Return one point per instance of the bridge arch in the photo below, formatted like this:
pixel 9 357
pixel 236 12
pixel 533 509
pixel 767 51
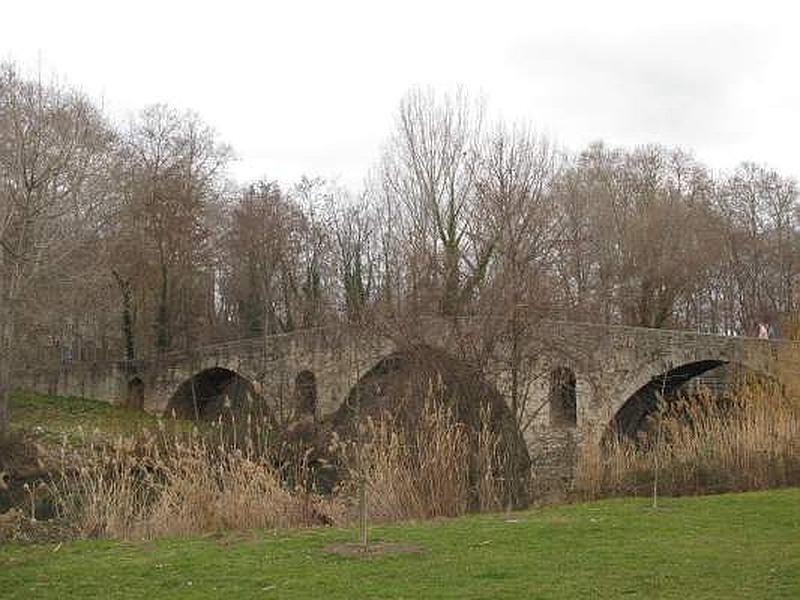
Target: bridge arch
pixel 400 383
pixel 638 397
pixel 402 377
pixel 212 392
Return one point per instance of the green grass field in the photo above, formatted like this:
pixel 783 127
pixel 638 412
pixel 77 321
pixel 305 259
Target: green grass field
pixel 49 418
pixel 727 546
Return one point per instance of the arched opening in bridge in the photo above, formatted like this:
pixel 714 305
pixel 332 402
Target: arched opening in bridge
pixel 562 398
pixel 306 392
pixel 715 377
pixel 135 397
pixel 400 386
pixel 213 393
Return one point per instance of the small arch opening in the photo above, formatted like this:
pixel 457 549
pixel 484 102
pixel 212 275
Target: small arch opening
pixel 135 397
pixel 562 398
pixel 306 393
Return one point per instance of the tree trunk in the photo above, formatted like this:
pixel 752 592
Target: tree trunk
pixel 5 389
pixel 452 282
pixel 127 316
pixel 162 318
pixel 6 325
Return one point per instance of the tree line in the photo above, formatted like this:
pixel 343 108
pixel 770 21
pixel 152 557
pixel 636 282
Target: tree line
pixel 123 240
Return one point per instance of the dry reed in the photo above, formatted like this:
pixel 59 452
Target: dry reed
pixel 749 441
pixel 158 484
pixel 438 469
pixel 242 475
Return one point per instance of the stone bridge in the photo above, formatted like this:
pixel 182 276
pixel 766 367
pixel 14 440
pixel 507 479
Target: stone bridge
pixel 560 375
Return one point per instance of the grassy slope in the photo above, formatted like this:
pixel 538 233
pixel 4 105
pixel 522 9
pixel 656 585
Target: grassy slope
pixel 50 417
pixel 728 546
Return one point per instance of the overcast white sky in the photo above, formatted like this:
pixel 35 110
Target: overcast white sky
pixel 313 87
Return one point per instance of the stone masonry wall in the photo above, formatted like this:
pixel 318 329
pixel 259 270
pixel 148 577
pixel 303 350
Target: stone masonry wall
pixel 609 364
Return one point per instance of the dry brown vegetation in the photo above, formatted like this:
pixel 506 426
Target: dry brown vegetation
pixel 400 400
pixel 242 474
pixel 702 444
pixel 172 482
pixel 428 471
pixel 161 483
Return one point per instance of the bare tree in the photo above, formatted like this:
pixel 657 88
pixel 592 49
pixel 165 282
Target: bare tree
pixel 429 168
pixel 261 256
pixel 355 255
pixel 53 146
pixel 516 211
pixel 643 234
pixel 760 208
pixel 314 196
pixel 173 179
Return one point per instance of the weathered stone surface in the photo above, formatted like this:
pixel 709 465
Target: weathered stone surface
pixel 610 364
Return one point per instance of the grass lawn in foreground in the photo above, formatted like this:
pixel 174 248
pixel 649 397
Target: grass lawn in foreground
pixel 726 546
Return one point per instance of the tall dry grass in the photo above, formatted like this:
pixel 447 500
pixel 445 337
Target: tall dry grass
pixel 172 481
pixel 702 444
pixel 158 483
pixel 428 460
pixel 438 469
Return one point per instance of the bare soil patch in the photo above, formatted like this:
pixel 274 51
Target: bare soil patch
pixel 373 549
pixel 231 538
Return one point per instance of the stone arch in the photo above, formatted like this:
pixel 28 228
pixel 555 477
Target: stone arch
pixel 387 386
pixel 135 393
pixel 212 392
pixel 399 384
pixel 562 398
pixel 638 398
